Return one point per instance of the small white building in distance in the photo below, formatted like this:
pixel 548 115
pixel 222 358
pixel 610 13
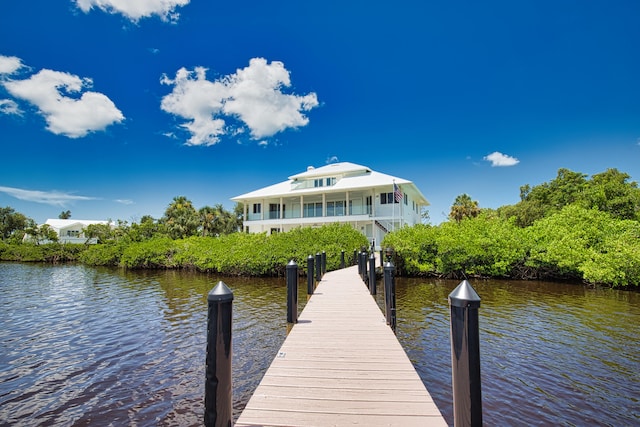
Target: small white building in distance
pixel 372 202
pixel 70 230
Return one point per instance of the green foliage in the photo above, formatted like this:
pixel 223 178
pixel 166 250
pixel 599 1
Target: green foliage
pixel 11 222
pixel 415 249
pixel 181 218
pixel 232 254
pixel 569 228
pixel 108 254
pixel 464 207
pixel 259 254
pixel 101 232
pixel 154 253
pixel 216 221
pixel 49 252
pixel 572 244
pixel 587 244
pixel 146 229
pixel 609 191
pixel 485 246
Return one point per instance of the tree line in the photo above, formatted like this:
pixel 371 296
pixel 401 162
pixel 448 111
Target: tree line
pixel 573 227
pixel 180 220
pixel 570 228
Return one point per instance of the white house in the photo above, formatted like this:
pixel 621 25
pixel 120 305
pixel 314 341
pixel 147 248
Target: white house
pixel 70 230
pixel 372 202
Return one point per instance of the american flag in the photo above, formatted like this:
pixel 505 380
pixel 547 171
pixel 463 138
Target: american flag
pixel 397 194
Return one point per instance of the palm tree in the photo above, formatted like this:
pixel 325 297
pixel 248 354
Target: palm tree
pixel 208 217
pixel 464 207
pixel 181 218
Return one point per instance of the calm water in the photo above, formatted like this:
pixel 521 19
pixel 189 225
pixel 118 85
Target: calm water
pixel 84 346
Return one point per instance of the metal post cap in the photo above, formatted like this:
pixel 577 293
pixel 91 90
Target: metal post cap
pixel 292 264
pixel 221 293
pixel 464 296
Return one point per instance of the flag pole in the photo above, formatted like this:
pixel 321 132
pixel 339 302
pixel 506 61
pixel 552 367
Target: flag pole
pixel 393 205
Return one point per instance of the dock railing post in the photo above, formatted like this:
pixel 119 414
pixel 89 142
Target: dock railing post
pixel 342 265
pixel 324 262
pixel 310 278
pixel 465 356
pixel 355 257
pixel 363 262
pixel 292 292
pixel 372 274
pixel 390 294
pixel 218 399
pixel 318 268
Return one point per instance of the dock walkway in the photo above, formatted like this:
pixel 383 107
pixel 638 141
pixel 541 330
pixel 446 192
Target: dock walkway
pixel 341 364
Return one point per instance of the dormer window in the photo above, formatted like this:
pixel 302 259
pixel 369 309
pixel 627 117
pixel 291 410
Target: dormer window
pixel 324 182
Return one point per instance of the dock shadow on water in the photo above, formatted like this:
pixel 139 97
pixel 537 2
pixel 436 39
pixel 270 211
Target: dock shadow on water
pixel 87 346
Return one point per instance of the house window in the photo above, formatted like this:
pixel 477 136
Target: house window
pixel 406 199
pixel 387 198
pixel 257 207
pixel 369 202
pixel 312 210
pixel 73 233
pixel 274 210
pixel 324 182
pixel 336 208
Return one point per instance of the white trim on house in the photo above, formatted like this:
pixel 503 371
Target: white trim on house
pixel 338 192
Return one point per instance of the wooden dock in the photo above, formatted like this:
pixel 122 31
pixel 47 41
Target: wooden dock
pixel 341 364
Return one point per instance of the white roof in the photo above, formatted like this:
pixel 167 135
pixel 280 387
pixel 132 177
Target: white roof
pixel 66 223
pixel 331 169
pixel 353 177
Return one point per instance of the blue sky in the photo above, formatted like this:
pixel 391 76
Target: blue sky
pixel 111 108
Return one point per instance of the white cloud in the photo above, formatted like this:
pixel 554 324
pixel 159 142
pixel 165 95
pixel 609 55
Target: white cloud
pixel 9 106
pixel 134 10
pixel 332 159
pixel 54 198
pixel 9 64
pixel 498 159
pixel 257 100
pixel 124 201
pixel 195 98
pixel 252 95
pixel 73 117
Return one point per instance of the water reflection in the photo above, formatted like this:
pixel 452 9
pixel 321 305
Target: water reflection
pixel 551 354
pixel 86 346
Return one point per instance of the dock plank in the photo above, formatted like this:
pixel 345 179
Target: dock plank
pixel 341 365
